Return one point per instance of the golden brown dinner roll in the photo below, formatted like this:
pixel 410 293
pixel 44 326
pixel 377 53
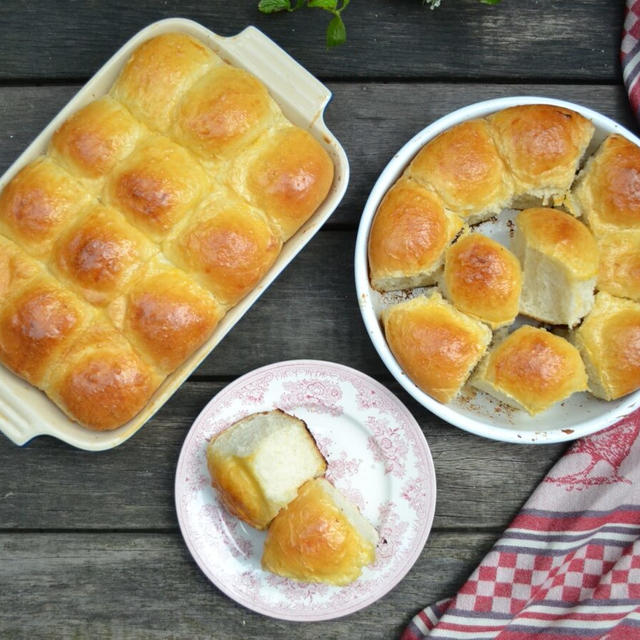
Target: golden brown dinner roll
pixel 319 537
pixel 619 266
pixel 559 259
pixel 436 345
pixel 98 256
pixel 408 236
pixel 99 380
pixel 156 186
pixel 287 174
pixel 94 140
pixel 165 315
pixel 158 73
pixel 227 244
pixel 36 323
pixel 228 108
pixel 541 145
pixel 607 192
pixel 609 342
pixel 463 166
pixel 483 279
pixel 259 462
pixel 531 369
pixel 38 203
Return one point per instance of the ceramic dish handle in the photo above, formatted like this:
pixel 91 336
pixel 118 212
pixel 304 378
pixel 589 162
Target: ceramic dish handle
pixel 16 420
pixel 300 92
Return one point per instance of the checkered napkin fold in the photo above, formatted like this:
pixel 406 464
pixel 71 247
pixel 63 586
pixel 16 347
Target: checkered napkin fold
pixel 568 566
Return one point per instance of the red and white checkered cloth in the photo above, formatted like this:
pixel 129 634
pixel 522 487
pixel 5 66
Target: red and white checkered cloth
pixel 630 53
pixel 568 566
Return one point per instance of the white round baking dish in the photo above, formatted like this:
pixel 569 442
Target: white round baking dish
pixel 579 415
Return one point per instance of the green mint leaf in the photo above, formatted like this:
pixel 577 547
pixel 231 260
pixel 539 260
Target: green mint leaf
pixel 489 1
pixel 271 6
pixel 328 5
pixel 336 32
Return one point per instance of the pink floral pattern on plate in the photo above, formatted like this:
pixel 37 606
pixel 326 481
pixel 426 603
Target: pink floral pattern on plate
pixel 377 456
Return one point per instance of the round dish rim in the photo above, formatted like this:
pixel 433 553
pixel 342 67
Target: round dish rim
pixel 363 288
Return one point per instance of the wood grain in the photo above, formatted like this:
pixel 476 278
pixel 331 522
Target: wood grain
pixel 463 39
pixel 131 585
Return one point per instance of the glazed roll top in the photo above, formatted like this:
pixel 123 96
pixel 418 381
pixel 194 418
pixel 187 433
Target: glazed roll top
pixel 607 193
pixel 531 369
pixel 542 146
pixel 94 140
pixel 483 279
pixel 100 380
pixel 157 208
pixel 319 537
pixel 409 234
pixel 463 166
pixel 38 204
pixel 436 345
pixel 609 341
pixel 228 246
pixel 226 110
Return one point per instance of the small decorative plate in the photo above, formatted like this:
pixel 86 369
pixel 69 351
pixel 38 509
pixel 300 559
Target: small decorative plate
pixel 376 454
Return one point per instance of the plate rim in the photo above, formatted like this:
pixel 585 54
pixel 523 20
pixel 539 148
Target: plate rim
pixel 429 478
pixel 363 288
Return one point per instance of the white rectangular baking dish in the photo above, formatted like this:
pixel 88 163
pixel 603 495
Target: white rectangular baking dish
pixel 25 411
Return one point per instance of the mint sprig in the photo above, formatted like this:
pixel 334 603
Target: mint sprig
pixel 336 31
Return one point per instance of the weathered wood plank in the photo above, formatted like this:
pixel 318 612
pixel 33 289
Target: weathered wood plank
pixel 463 39
pixel 49 485
pixel 105 586
pixel 371 120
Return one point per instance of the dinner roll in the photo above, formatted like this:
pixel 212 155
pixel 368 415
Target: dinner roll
pixel 436 345
pixel 463 166
pixel 225 110
pixel 541 145
pixel 38 203
pixel 228 245
pixel 483 279
pixel 559 259
pixel 94 140
pixel 99 380
pixel 156 186
pixel 408 236
pixel 531 369
pixel 319 537
pixel 607 192
pixel 619 266
pixel 158 74
pixel 287 174
pixel 36 322
pixel 100 254
pixel 609 342
pixel 165 315
pixel 259 462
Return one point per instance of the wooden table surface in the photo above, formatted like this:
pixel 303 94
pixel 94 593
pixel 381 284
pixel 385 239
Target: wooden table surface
pixel 89 543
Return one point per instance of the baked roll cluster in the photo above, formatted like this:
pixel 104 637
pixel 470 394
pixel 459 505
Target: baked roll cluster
pixel 155 209
pixel 573 263
pixel 268 471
